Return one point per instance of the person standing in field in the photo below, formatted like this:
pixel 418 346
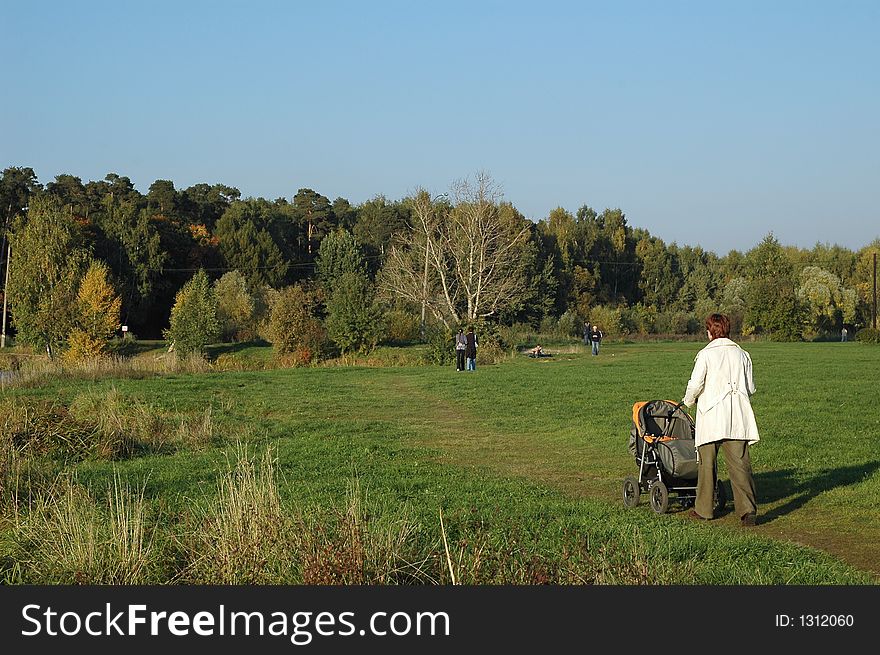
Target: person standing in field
pixel 721 384
pixel 587 328
pixel 460 345
pixel 843 334
pixel 470 351
pixel 595 338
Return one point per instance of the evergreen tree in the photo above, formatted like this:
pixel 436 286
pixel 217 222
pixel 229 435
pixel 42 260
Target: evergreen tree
pixel 340 253
pixel 772 304
pixel 354 320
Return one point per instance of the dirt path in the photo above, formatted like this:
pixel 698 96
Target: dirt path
pixel 466 441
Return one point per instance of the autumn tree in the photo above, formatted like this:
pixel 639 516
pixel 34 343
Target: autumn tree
pixel 293 327
pixel 98 308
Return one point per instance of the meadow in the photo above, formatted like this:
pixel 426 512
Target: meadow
pixel 403 474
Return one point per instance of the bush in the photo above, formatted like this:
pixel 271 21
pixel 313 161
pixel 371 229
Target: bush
pixel 608 319
pixel 868 335
pixel 401 326
pixel 441 345
pixel 675 322
pixel 236 308
pixel 492 347
pixel 570 325
pixel 292 328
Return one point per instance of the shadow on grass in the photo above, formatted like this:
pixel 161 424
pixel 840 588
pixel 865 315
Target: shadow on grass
pixel 790 483
pixel 132 347
pixel 232 348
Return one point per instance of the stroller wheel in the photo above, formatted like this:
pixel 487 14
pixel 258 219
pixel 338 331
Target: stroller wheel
pixel 659 495
pixel 631 492
pixel 720 497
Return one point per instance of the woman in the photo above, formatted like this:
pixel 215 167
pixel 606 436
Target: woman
pixel 460 345
pixel 722 381
pixel 470 352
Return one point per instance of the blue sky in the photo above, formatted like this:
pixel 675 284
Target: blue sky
pixel 708 123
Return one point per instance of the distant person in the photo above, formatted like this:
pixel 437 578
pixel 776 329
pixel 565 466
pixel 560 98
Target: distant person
pixel 460 345
pixel 587 328
pixel 470 351
pixel 537 351
pixel 595 338
pixel 843 334
pixel 721 385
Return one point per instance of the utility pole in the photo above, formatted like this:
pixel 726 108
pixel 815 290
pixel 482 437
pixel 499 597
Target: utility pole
pixel 5 295
pixel 874 312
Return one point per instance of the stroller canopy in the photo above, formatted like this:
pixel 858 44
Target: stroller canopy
pixel 664 426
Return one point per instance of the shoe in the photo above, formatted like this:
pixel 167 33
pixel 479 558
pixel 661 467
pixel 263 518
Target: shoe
pixel 748 520
pixel 699 517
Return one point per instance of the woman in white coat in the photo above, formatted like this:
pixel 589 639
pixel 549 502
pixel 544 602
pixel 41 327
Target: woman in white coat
pixel 721 384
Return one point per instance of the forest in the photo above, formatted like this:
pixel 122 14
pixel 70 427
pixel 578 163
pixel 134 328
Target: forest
pixel 306 273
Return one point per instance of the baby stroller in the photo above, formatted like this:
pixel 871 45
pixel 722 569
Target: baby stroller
pixel 662 442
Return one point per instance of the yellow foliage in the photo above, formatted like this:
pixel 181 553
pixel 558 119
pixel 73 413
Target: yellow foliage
pixel 99 306
pixel 83 347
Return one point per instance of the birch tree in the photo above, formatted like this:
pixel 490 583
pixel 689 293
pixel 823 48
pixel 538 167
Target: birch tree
pixel 464 262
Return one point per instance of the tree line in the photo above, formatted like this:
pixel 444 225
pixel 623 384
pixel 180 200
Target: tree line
pixel 85 258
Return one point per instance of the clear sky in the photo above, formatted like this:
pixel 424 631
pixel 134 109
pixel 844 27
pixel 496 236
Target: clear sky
pixel 709 123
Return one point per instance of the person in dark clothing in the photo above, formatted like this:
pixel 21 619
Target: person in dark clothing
pixel 460 346
pixel 595 338
pixel 587 330
pixel 470 351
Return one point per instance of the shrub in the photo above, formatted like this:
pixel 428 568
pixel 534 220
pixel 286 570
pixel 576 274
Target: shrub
pixel 82 347
pixel 441 345
pixel 674 322
pixel 868 335
pixel 608 319
pixel 236 307
pixel 401 326
pixel 292 327
pixel 569 325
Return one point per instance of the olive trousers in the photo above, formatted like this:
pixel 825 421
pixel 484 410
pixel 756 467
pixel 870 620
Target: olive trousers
pixel 739 466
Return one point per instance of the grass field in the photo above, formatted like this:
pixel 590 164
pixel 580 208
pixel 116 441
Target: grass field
pixel 509 474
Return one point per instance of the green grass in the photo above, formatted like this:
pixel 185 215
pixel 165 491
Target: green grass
pixel 525 460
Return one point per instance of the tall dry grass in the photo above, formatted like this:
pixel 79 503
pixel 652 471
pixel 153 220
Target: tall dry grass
pixel 68 537
pixel 243 537
pixel 360 543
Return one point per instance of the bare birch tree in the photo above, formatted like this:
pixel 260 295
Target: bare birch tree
pixel 464 265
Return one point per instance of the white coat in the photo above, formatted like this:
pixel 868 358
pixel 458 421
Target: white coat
pixel 722 381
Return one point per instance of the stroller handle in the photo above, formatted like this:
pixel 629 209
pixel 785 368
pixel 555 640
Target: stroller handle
pixel 670 416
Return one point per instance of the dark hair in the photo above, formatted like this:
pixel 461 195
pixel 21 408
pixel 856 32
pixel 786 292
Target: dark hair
pixel 718 326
